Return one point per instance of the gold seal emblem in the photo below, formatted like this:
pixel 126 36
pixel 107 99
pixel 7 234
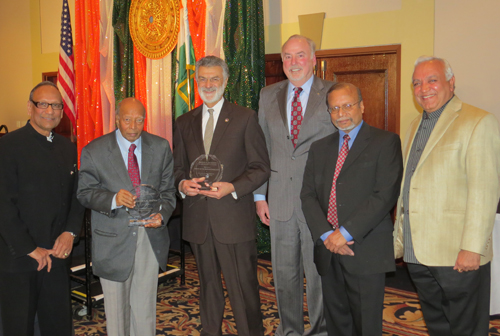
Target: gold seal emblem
pixel 154 26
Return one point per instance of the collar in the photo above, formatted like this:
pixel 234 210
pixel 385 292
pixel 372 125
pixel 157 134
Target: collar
pixel 306 88
pixel 217 107
pixel 352 133
pixel 39 136
pixel 436 114
pixel 125 144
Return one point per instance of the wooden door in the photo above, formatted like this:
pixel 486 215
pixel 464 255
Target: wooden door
pixel 375 70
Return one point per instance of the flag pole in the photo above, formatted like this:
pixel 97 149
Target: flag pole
pixel 189 88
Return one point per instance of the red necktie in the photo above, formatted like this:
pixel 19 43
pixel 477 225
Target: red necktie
pixel 296 115
pixel 133 166
pixel 332 204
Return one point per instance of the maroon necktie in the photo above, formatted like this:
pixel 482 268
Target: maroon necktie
pixel 296 115
pixel 333 217
pixel 133 167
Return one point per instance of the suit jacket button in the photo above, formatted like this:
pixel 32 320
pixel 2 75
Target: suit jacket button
pixel 293 157
pixel 133 234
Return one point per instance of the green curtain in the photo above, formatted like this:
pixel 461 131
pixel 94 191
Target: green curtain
pixel 244 53
pixel 123 52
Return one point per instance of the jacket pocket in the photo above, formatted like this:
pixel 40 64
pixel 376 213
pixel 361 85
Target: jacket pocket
pixel 105 234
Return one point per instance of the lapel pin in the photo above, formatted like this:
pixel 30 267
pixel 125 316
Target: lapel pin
pixel 227 120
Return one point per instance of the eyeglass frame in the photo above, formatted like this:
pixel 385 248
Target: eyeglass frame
pixel 48 104
pixel 346 107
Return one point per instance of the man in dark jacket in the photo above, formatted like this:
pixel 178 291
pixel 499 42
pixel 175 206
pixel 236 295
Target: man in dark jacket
pixel 40 219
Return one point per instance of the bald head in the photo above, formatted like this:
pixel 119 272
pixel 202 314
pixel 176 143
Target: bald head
pixel 130 115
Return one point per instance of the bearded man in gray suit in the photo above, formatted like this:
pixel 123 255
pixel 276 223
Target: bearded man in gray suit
pixel 293 115
pixel 126 258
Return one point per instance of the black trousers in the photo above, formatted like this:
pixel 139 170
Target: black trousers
pixel 453 303
pixel 238 263
pixel 353 303
pixel 25 294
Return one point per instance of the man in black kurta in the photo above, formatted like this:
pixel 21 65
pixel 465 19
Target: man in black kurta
pixel 39 218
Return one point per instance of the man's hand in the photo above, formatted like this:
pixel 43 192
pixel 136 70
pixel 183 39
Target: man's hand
pixel 263 211
pixel 467 261
pixel 336 243
pixel 63 245
pixel 42 256
pixel 191 187
pixel 125 198
pixel 154 221
pixel 223 189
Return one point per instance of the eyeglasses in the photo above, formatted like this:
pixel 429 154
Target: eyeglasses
pixel 44 105
pixel 345 107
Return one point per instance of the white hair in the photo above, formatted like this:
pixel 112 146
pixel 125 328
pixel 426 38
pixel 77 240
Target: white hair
pixel 312 45
pixel 448 71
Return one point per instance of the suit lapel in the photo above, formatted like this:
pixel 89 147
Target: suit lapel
pixel 410 137
pixel 445 120
pixel 359 145
pixel 312 111
pixel 116 160
pixel 196 128
pixel 314 101
pixel 222 123
pixel 330 164
pixel 147 157
pixel 281 98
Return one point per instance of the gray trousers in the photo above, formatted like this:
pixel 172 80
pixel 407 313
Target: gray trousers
pixel 130 306
pixel 292 257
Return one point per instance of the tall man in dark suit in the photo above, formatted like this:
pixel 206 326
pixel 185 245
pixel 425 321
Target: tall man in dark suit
pixel 292 116
pixel 126 258
pixel 40 218
pixel 220 223
pixel 351 183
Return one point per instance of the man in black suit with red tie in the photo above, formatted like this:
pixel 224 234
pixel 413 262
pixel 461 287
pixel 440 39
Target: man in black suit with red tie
pixel 351 183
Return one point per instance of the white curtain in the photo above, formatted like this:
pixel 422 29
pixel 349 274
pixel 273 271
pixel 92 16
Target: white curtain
pixel 159 110
pixel 214 25
pixel 106 64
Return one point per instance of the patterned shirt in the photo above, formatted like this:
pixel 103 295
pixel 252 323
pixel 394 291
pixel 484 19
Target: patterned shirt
pixel 424 131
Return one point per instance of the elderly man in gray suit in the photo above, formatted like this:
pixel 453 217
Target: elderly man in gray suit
pixel 293 114
pixel 126 258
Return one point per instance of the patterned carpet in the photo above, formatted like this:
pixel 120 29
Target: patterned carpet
pixel 178 313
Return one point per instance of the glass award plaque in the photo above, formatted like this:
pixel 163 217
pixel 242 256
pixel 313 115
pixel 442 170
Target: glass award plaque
pixel 147 204
pixel 209 167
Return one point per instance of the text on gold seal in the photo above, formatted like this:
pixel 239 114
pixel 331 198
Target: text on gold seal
pixel 154 26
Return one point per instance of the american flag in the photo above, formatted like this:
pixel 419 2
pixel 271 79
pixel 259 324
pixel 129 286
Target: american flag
pixel 66 75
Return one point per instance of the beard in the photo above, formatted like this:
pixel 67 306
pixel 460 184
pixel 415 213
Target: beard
pixel 347 128
pixel 219 91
